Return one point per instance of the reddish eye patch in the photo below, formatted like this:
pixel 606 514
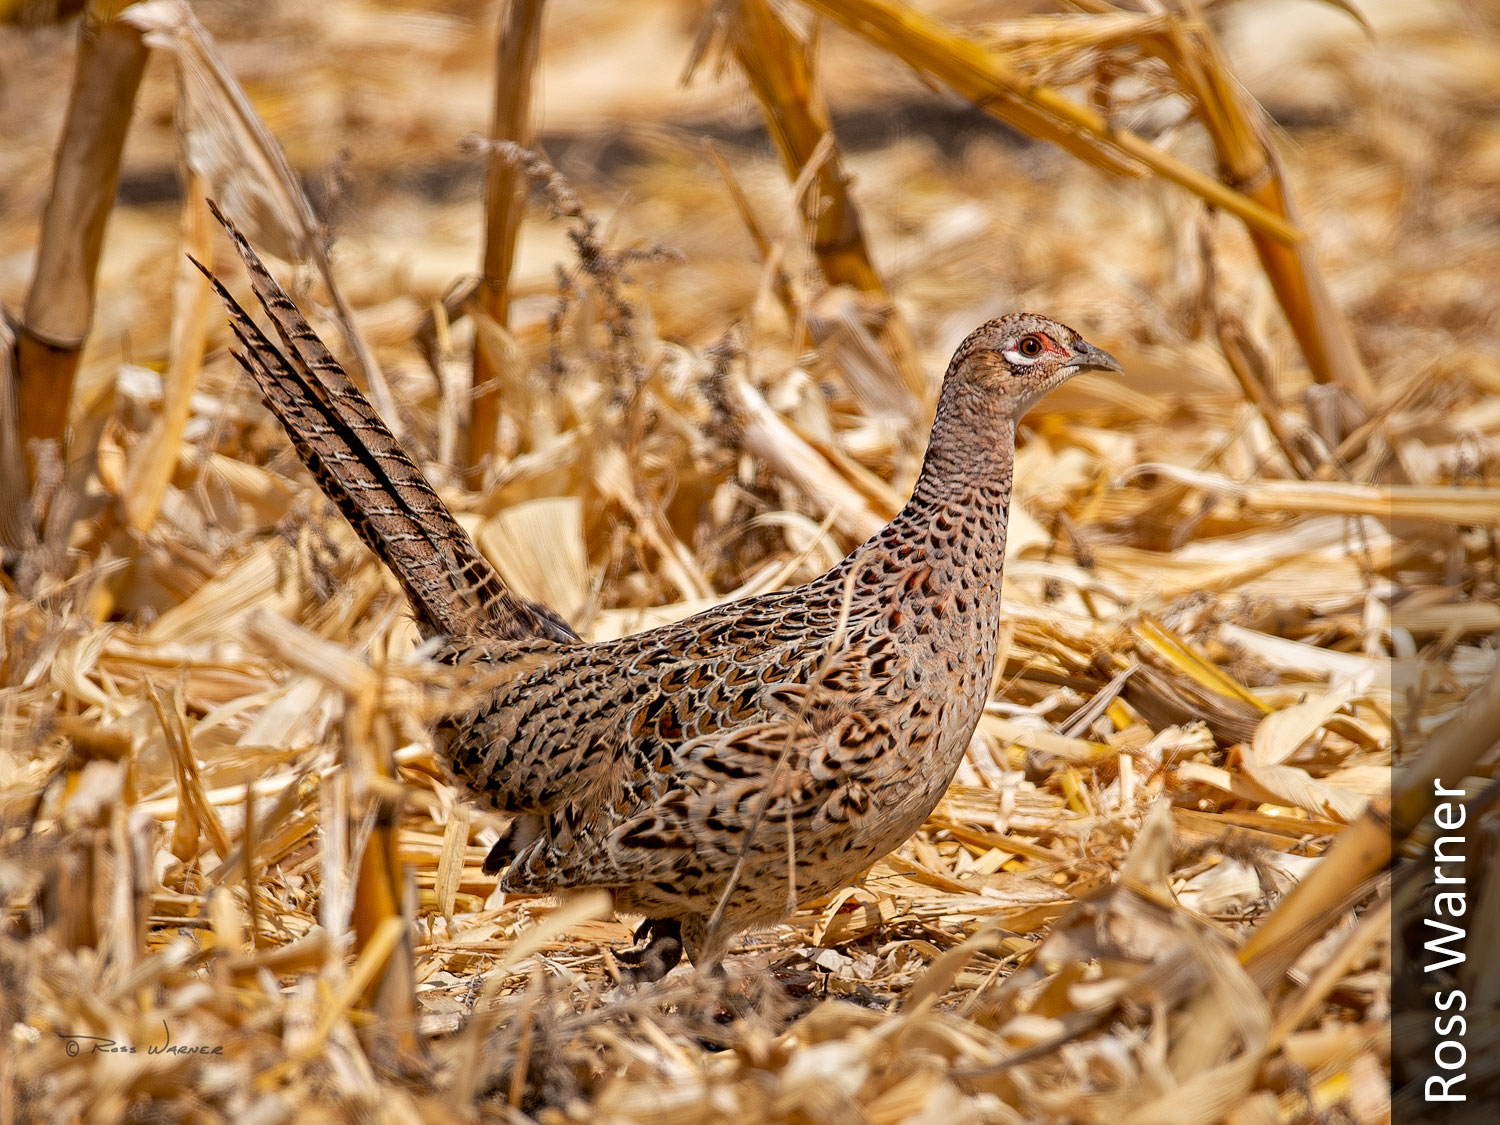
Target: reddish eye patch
pixel 1034 345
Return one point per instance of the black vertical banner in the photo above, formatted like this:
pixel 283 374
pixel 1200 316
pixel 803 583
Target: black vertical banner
pixel 1445 1025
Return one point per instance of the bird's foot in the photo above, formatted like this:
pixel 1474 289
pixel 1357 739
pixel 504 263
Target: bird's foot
pixel 657 957
pixel 514 839
pixel 499 857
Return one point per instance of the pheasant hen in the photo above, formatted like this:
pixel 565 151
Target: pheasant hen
pixel 713 773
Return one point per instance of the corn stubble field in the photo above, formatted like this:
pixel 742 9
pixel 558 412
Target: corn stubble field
pixel 1242 583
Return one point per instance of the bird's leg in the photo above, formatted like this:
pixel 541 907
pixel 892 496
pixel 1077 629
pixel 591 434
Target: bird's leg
pixel 660 954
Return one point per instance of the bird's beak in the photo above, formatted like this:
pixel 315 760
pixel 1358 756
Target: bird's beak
pixel 1091 358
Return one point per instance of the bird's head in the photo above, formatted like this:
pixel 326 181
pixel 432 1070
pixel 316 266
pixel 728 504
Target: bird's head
pixel 1015 360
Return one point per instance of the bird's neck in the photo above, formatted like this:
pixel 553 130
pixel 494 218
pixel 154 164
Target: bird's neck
pixel 966 480
pixel 954 524
pixel 970 457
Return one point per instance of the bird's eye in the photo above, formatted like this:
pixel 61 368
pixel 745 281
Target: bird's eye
pixel 1030 346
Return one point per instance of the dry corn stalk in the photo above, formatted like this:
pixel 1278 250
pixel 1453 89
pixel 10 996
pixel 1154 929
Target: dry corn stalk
pixel 16 530
pixel 227 147
pixel 60 302
pixel 779 280
pixel 504 205
pixel 1001 81
pixel 192 304
pixel 779 67
pixel 1002 89
pixel 1248 162
pixel 380 910
pixel 1365 847
pixel 1466 506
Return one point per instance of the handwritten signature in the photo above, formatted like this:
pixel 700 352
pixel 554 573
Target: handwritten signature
pixel 74 1045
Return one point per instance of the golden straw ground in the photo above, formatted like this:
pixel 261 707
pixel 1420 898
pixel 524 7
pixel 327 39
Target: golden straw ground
pixel 225 645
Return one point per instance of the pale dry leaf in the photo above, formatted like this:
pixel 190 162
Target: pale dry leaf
pixel 1282 733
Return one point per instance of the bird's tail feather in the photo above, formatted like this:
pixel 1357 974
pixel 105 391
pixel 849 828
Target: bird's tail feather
pixel 363 469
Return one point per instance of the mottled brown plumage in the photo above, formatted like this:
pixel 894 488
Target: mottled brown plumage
pixel 714 772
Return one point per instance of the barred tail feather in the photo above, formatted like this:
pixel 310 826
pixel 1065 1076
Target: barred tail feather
pixel 361 467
